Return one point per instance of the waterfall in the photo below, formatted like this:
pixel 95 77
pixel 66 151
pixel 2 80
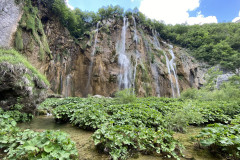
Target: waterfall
pixel 92 56
pixel 68 85
pixel 124 77
pixel 156 78
pixel 169 73
pixel 156 41
pixel 135 69
pixel 135 38
pixel 172 69
pixel 171 66
pixel 154 66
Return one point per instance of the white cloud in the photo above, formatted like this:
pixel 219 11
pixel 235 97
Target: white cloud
pixel 237 18
pixel 200 19
pixel 69 6
pixel 174 11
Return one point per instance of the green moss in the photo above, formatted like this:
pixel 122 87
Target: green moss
pixel 18 40
pixel 31 46
pixel 41 53
pixel 31 22
pixel 39 26
pixel 14 57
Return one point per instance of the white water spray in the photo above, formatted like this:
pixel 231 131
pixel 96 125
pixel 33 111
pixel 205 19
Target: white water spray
pixel 154 66
pixel 68 85
pixel 172 72
pixel 135 38
pixel 124 77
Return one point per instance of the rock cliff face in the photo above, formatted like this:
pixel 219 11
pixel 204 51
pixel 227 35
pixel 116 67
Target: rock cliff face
pixel 19 86
pixel 117 55
pixel 10 14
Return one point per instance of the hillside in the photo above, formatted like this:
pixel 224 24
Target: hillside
pixel 120 85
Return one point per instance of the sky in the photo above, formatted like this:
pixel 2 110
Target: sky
pixel 172 11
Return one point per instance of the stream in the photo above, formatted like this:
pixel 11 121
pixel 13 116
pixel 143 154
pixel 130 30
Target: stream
pixel 87 150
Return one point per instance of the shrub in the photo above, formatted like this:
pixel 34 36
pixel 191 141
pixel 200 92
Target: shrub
pixel 28 144
pixel 121 141
pixel 180 118
pixel 222 138
pixel 125 96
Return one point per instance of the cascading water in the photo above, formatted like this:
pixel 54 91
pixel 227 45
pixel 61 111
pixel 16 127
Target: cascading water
pixel 135 38
pixel 154 66
pixel 68 85
pixel 172 69
pixel 156 77
pixel 124 78
pixel 92 56
pixel 170 75
pixel 156 41
pixel 171 66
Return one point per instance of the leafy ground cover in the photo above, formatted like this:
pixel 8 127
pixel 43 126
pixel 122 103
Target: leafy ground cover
pixel 222 139
pixel 27 144
pixel 145 125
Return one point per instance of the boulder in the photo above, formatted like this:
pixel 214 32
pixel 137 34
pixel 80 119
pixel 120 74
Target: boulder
pixel 19 86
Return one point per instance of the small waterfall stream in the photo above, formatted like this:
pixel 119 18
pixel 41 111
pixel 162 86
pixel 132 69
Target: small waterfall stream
pixel 171 66
pixel 124 78
pixel 135 38
pixel 92 57
pixel 154 66
pixel 156 78
pixel 172 72
pixel 68 85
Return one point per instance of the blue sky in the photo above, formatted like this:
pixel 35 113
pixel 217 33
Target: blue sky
pixel 173 11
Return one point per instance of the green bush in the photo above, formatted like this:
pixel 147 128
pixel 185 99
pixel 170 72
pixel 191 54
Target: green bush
pixel 125 96
pixel 180 118
pixel 156 116
pixel 221 138
pixel 28 144
pixel 44 145
pixel 121 141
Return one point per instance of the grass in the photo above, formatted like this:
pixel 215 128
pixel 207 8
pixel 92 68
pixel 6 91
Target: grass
pixel 18 40
pixel 14 57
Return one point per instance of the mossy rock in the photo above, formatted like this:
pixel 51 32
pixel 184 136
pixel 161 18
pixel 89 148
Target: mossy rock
pixel 20 82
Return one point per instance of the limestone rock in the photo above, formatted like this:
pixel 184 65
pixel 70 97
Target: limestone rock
pixel 69 71
pixel 223 78
pixel 10 14
pixel 18 85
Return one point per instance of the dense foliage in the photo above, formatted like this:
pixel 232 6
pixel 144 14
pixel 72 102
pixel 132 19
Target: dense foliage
pixel 212 43
pixel 120 127
pixel 28 144
pixel 222 138
pixel 31 21
pixel 227 91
